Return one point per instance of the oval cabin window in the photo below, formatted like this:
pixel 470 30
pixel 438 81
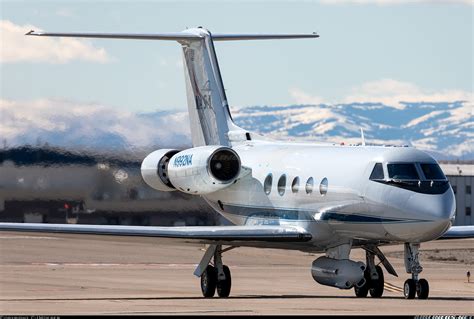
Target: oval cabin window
pixel 282 185
pixel 309 185
pixel 295 185
pixel 267 184
pixel 323 187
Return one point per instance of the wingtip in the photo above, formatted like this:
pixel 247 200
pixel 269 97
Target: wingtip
pixel 30 32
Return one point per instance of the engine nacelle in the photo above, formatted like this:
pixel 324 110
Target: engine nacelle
pixel 154 170
pixel 343 274
pixel 204 170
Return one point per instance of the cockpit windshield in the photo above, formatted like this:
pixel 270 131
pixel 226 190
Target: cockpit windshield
pixel 432 171
pixel 425 178
pixel 377 172
pixel 405 171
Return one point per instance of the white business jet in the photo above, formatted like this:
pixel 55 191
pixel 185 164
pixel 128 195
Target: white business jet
pixel 307 197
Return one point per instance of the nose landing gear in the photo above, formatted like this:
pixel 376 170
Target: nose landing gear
pixel 414 286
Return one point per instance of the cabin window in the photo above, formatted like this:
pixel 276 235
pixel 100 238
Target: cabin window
pixel 432 171
pixel 267 184
pixel 309 185
pixel 282 185
pixel 406 171
pixel 377 172
pixel 295 185
pixel 323 187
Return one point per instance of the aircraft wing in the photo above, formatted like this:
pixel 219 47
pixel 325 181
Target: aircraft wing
pixel 457 232
pixel 224 235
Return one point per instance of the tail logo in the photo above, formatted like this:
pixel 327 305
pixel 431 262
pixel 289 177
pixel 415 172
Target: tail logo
pixel 203 101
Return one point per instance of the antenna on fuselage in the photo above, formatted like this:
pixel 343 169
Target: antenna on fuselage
pixel 362 136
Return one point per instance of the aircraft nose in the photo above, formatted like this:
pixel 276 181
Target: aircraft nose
pixel 438 210
pixel 432 206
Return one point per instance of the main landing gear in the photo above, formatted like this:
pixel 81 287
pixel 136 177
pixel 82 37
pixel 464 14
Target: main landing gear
pixel 414 286
pixel 374 279
pixel 214 277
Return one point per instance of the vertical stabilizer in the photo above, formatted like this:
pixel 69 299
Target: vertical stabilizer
pixel 208 109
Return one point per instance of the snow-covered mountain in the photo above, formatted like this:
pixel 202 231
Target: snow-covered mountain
pixel 444 129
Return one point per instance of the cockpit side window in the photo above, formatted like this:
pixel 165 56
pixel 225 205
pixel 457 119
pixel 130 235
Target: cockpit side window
pixel 405 171
pixel 432 171
pixel 377 172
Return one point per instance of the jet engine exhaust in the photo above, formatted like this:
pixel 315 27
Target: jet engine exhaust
pixel 224 165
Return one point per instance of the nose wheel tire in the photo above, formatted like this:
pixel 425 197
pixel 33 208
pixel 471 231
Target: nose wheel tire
pixel 422 289
pixel 418 288
pixel 223 286
pixel 209 282
pixel 409 289
pixel 376 286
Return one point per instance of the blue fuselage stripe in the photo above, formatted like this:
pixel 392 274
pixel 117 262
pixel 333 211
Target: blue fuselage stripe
pixel 306 215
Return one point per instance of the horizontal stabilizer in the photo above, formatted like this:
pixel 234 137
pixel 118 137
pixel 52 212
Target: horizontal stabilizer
pixel 204 234
pixel 175 36
pixel 233 37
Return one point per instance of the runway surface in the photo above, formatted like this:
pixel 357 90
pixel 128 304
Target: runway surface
pixel 71 274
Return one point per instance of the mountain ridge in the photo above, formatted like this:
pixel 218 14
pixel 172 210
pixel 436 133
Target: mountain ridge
pixel 444 129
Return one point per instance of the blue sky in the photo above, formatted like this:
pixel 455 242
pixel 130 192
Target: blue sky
pixel 369 50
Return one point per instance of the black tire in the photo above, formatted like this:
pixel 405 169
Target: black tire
pixel 363 291
pixel 223 286
pixel 209 282
pixel 422 289
pixel 409 289
pixel 377 286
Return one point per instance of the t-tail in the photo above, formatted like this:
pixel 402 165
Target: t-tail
pixel 209 114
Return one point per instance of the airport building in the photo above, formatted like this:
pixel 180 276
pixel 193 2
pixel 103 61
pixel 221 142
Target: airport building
pixel 461 177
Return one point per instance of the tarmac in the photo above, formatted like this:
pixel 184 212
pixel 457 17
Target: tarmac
pixel 83 275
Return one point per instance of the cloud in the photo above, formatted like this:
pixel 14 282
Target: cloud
pixel 16 47
pixel 302 97
pixel 389 92
pixel 393 93
pixel 395 2
pixel 71 123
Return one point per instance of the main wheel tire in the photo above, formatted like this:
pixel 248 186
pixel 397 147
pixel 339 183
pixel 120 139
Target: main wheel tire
pixel 223 286
pixel 377 286
pixel 409 289
pixel 363 291
pixel 422 289
pixel 209 282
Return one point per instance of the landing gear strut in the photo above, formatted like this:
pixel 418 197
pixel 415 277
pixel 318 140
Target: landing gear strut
pixel 374 279
pixel 414 286
pixel 214 277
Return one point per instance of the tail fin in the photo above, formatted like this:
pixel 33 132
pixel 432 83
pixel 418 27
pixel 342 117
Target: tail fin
pixel 209 114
